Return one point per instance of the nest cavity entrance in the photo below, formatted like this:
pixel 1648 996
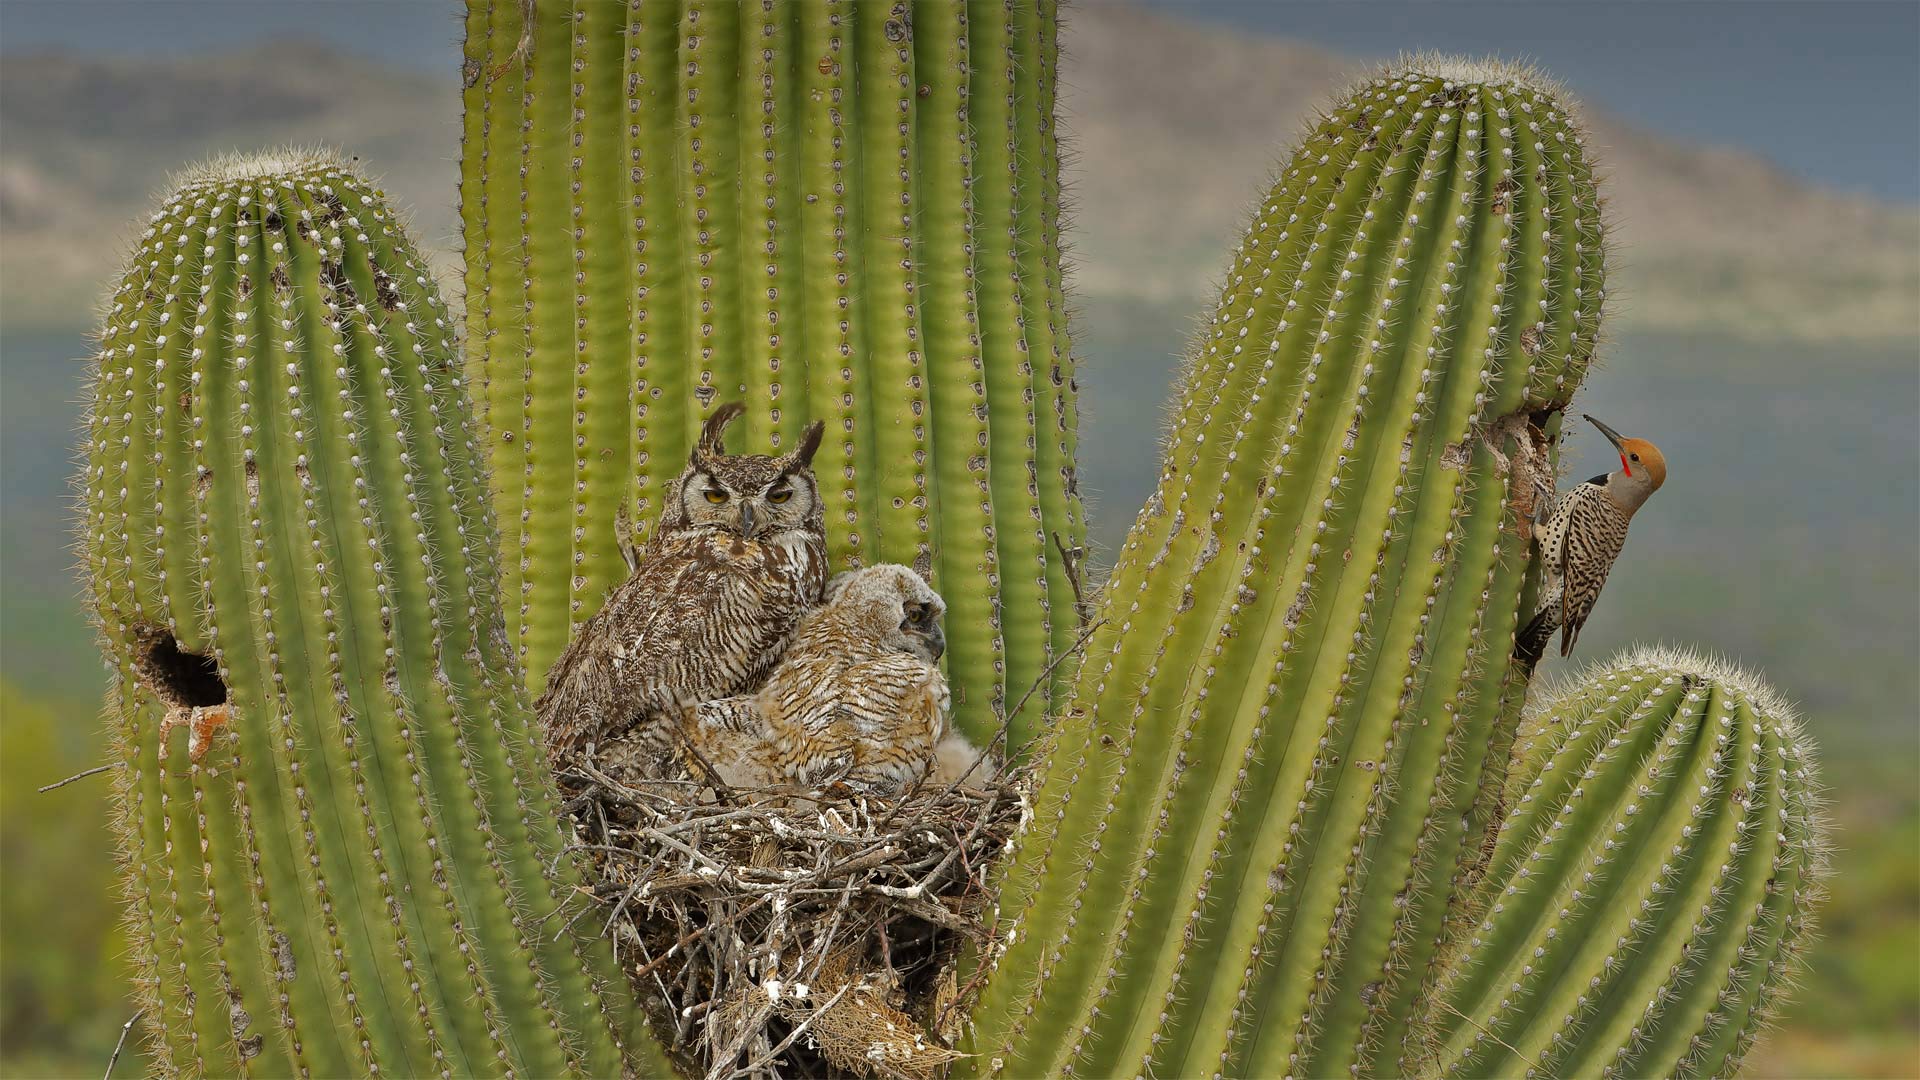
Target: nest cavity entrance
pixel 180 678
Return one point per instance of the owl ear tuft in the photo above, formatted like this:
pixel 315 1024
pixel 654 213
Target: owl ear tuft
pixel 710 443
pixel 809 444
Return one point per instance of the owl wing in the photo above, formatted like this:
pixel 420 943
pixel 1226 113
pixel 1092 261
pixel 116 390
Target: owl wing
pixel 899 705
pixel 731 741
pixel 580 693
pixel 658 644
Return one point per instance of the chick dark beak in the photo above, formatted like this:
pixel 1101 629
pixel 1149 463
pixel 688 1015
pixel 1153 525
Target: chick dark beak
pixel 1613 436
pixel 936 641
pixel 746 519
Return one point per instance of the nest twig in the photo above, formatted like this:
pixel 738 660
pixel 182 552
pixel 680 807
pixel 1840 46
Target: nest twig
pixel 795 934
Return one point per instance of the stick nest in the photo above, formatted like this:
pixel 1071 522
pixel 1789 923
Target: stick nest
pixel 779 933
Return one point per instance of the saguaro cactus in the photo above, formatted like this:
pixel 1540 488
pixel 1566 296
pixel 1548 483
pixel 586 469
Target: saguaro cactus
pixel 342 854
pixel 833 210
pixel 1642 902
pixel 1271 769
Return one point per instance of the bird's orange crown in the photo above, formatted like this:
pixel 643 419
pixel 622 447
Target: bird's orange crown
pixel 1638 454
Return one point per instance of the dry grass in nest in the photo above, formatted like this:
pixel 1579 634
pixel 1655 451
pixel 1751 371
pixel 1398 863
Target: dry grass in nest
pixel 795 934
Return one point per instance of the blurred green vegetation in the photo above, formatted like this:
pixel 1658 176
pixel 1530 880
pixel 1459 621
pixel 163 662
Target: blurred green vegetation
pixel 1784 537
pixel 63 983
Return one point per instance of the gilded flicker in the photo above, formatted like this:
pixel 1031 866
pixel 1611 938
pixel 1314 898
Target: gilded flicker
pixel 1582 538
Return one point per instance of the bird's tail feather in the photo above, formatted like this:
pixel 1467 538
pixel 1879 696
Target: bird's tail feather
pixel 1532 641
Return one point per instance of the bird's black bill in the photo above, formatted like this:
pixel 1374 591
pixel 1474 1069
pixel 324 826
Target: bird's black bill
pixel 1613 436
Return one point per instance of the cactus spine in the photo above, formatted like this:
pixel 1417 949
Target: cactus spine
pixel 828 209
pixel 345 863
pixel 1643 899
pixel 1251 815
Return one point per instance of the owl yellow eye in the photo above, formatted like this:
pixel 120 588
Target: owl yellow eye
pixel 780 496
pixel 714 496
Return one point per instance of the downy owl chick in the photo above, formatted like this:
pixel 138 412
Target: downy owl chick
pixel 858 696
pixel 737 558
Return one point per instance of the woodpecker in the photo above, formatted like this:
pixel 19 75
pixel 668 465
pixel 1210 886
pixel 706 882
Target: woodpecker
pixel 1582 538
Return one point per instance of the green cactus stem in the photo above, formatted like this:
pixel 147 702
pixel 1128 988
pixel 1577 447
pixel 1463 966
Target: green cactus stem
pixel 342 852
pixel 1265 785
pixel 826 209
pixel 1645 895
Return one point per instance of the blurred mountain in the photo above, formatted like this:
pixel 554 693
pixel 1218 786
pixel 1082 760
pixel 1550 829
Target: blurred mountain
pixel 1178 126
pixel 1173 128
pixel 88 141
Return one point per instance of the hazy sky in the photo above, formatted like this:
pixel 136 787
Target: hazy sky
pixel 1828 89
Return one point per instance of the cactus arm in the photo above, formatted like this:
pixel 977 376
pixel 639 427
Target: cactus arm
pixel 1650 892
pixel 1690 837
pixel 1479 729
pixel 1256 755
pixel 957 405
pixel 335 872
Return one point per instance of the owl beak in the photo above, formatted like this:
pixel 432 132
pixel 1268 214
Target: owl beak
pixel 936 641
pixel 746 519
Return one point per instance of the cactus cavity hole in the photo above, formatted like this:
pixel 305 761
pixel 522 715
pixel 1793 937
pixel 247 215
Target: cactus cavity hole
pixel 179 677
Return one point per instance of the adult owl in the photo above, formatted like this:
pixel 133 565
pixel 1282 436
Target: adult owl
pixel 738 556
pixel 858 697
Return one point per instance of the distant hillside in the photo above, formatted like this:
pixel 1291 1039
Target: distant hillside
pixel 87 142
pixel 1177 126
pixel 1173 129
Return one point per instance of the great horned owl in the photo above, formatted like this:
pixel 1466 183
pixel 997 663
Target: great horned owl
pixel 858 696
pixel 738 556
